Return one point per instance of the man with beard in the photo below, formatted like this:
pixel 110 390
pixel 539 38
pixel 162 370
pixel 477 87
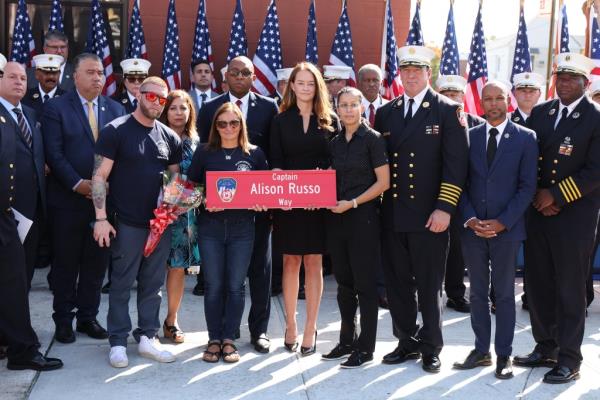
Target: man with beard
pixel 47 72
pixel 132 154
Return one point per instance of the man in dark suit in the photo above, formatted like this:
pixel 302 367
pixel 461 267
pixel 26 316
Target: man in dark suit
pixel 426 137
pixel 15 320
pixel 70 127
pixel 202 76
pixel 500 186
pixel 47 72
pixel 259 112
pixel 562 221
pixel 56 42
pixel 30 182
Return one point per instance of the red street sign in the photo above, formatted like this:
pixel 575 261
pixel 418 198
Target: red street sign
pixel 273 189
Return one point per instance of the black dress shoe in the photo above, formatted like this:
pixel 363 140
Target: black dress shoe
pixel 460 304
pixel 357 359
pixel 106 288
pixel 307 351
pixel 262 344
pixel 400 355
pixel 37 363
pixel 431 363
pixel 64 333
pixel 474 359
pixel 503 368
pixel 2 352
pixel 534 359
pixel 198 289
pixel 561 374
pixel 339 351
pixel 92 329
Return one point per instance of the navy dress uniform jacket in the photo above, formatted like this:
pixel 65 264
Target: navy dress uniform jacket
pixel 34 99
pixel 123 99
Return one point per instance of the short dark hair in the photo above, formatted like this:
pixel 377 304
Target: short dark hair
pixel 85 56
pixel 55 35
pixel 198 62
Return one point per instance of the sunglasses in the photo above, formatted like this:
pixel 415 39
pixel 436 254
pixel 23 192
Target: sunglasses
pixel 134 79
pixel 245 73
pixel 234 123
pixel 152 97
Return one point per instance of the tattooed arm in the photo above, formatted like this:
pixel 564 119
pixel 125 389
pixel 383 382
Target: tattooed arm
pixel 102 228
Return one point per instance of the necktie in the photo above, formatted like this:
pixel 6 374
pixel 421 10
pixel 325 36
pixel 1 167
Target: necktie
pixel 371 115
pixel 134 103
pixel 239 103
pixel 492 146
pixel 563 117
pixel 92 119
pixel 409 113
pixel 23 127
pixel 46 97
pixel 203 96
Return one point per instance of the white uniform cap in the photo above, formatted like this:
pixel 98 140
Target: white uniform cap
pixel 574 63
pixel 451 82
pixel 419 56
pixel 48 62
pixel 2 62
pixel 595 87
pixel 135 66
pixel 283 74
pixel 223 70
pixel 528 80
pixel 332 72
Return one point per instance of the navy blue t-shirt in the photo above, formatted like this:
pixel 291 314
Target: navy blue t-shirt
pixel 216 160
pixel 140 154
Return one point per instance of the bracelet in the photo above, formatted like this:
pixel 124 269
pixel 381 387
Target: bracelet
pixel 101 219
pixel 354 203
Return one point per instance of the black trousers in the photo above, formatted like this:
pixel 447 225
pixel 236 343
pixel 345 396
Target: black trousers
pixel 557 269
pixel 259 277
pixel 15 320
pixel 415 264
pixel 353 241
pixel 78 266
pixel 455 266
pixel 32 243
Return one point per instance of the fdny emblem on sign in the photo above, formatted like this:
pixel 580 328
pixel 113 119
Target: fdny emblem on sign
pixel 226 188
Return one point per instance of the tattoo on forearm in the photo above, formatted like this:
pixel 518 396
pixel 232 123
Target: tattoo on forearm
pixel 98 185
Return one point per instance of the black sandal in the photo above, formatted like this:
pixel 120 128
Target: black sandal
pixel 173 332
pixel 212 356
pixel 230 356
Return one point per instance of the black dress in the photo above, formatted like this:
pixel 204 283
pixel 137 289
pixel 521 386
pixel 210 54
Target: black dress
pixel 299 231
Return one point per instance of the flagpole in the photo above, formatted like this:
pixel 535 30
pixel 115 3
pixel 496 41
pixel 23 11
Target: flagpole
pixel 550 44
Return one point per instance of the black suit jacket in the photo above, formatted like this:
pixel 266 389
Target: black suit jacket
pixel 34 99
pixel 261 111
pixel 123 99
pixel 29 177
pixel 518 118
pixel 8 155
pixel 69 145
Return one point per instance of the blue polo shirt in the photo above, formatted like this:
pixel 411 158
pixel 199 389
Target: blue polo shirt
pixel 140 154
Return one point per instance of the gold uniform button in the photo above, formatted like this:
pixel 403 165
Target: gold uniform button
pixel 410 165
pixel 555 161
pixel 12 188
pixel 10 199
pixel 412 154
pixel 395 154
pixel 11 166
pixel 395 195
pixel 411 186
pixel 540 158
pixel 553 181
pixel 539 168
pixel 554 171
pixel 410 175
pixel 395 165
pixel 412 196
pixel 395 175
pixel 394 185
pixel 12 177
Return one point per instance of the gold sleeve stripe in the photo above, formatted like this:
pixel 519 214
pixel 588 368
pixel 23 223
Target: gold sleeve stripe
pixel 574 185
pixel 565 192
pixel 570 189
pixel 447 199
pixel 450 195
pixel 450 186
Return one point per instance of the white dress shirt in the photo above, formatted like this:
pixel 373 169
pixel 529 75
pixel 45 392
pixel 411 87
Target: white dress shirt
pixel 500 128
pixel 418 99
pixel 245 100
pixel 570 109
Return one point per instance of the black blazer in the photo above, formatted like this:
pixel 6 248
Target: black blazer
pixel 8 155
pixel 261 111
pixel 34 99
pixel 69 145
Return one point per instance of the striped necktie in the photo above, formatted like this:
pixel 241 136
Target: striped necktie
pixel 23 127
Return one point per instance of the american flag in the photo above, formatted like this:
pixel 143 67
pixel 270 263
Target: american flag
pixel 56 22
pixel 561 45
pixel 522 58
pixel 97 43
pixel 415 34
pixel 594 40
pixel 312 54
pixel 267 57
pixel 391 81
pixel 202 49
pixel 341 48
pixel 171 68
pixel 136 45
pixel 449 64
pixel 23 45
pixel 477 69
pixel 238 44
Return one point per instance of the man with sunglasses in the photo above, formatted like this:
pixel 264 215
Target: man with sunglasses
pixel 57 43
pixel 70 127
pixel 259 112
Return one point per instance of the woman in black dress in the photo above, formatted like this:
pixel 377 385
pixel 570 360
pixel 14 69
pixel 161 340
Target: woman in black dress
pixel 300 137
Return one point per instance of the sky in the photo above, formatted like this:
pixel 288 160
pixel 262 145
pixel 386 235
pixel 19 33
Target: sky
pixel 500 18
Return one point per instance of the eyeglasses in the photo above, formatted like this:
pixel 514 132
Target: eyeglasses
pixel 234 123
pixel 152 97
pixel 351 106
pixel 245 73
pixel 134 79
pixel 57 48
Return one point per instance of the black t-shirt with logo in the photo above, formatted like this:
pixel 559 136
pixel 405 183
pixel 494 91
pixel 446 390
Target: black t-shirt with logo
pixel 140 154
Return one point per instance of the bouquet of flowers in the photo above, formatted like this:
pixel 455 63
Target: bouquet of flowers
pixel 178 196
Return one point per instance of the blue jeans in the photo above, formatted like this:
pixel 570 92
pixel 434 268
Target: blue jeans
pixel 226 248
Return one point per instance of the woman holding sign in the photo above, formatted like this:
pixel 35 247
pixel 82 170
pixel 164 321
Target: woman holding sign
pixel 225 237
pixel 300 137
pixel 358 155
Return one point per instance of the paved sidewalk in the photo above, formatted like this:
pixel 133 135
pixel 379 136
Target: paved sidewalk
pixel 87 374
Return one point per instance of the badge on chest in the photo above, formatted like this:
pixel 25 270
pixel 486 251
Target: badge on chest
pixel 432 130
pixel 566 148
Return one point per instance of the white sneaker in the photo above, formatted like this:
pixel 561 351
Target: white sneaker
pixel 118 357
pixel 151 348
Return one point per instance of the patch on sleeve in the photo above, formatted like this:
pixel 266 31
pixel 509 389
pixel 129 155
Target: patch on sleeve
pixel 462 117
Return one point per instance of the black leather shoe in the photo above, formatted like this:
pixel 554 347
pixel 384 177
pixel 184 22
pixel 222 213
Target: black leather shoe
pixel 64 333
pixel 400 355
pixel 92 329
pixel 561 374
pixel 262 344
pixel 37 363
pixel 533 360
pixel 198 290
pixel 503 368
pixel 474 359
pixel 357 359
pixel 431 363
pixel 3 352
pixel 460 304
pixel 339 351
pixel 106 288
pixel 307 351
